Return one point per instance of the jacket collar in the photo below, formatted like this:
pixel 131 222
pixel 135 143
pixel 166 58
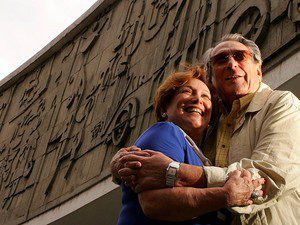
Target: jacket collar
pixel 260 98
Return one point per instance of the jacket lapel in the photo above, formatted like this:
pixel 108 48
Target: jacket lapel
pixel 258 101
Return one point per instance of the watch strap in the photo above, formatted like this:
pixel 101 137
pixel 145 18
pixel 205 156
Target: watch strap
pixel 171 172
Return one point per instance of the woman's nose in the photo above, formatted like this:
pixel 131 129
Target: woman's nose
pixel 197 99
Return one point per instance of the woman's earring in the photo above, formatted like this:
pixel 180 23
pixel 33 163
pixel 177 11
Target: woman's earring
pixel 164 115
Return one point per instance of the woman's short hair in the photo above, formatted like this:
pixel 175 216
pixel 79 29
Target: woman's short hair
pixel 168 89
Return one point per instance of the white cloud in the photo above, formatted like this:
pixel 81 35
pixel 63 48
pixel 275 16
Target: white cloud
pixel 28 26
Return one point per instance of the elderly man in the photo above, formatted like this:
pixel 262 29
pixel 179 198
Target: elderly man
pixel 258 130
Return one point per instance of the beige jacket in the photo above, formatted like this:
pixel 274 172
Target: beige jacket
pixel 267 141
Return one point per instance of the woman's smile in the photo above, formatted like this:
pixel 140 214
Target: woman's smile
pixel 190 108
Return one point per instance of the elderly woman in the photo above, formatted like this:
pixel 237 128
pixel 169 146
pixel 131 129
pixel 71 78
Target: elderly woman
pixel 183 109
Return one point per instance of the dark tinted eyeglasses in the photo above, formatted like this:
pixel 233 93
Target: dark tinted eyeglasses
pixel 238 55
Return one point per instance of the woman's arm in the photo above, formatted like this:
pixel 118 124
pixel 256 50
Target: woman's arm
pixel 116 165
pixel 154 169
pixel 181 203
pixel 185 203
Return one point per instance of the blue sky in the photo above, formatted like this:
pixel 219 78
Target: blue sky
pixel 28 26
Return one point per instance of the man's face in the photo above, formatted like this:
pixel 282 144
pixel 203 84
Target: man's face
pixel 235 73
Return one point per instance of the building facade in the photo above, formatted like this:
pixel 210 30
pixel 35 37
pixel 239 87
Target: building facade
pixel 68 109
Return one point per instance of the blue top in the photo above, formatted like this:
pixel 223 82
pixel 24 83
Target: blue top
pixel 167 138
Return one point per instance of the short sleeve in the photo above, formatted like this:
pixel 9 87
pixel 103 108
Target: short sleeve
pixel 164 137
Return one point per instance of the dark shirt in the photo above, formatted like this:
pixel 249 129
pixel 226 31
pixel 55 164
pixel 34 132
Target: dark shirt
pixel 167 138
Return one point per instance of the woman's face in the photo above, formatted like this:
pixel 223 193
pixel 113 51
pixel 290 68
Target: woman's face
pixel 191 107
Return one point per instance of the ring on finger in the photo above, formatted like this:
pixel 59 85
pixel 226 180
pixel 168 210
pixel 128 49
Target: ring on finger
pixel 255 194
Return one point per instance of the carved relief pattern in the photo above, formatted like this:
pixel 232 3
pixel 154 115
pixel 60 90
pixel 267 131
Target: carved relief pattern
pixel 158 16
pixel 5 100
pixel 250 19
pixel 18 158
pixel 95 94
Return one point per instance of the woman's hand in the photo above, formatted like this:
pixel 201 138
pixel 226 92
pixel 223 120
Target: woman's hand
pixel 116 164
pixel 240 186
pixel 150 175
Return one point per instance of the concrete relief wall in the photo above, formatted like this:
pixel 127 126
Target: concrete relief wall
pixel 61 123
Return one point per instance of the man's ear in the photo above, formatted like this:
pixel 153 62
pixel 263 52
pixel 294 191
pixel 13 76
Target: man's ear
pixel 259 73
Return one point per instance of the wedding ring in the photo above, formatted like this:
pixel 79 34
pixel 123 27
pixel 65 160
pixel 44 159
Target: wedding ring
pixel 255 194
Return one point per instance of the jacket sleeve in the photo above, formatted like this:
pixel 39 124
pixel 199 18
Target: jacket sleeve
pixel 276 156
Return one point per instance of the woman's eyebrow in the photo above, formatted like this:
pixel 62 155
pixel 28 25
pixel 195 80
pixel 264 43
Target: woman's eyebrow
pixel 188 86
pixel 206 92
pixel 192 88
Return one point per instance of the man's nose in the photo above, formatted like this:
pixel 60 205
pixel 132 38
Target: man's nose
pixel 231 63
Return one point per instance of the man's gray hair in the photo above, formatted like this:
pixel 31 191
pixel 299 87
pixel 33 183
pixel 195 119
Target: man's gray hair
pixel 233 37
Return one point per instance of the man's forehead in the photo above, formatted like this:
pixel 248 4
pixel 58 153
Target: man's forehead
pixel 227 46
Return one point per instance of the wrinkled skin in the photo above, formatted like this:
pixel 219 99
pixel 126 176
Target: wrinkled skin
pixel 145 170
pixel 239 187
pixel 147 177
pixel 116 164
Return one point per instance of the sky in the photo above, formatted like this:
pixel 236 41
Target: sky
pixel 29 25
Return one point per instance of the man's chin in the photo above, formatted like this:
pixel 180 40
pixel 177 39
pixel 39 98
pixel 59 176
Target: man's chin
pixel 238 91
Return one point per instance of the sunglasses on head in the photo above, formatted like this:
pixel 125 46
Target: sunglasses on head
pixel 238 55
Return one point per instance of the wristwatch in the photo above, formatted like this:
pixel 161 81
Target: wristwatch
pixel 171 172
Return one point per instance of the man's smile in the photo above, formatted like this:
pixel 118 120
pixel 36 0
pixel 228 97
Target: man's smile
pixel 232 77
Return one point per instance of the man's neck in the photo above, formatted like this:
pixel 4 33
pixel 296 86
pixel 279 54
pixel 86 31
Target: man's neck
pixel 229 102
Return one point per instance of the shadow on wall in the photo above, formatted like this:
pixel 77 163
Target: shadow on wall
pixel 292 85
pixel 102 211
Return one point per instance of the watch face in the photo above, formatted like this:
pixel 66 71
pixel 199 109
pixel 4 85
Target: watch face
pixel 174 165
pixel 171 173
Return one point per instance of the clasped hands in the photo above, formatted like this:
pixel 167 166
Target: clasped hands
pixel 146 170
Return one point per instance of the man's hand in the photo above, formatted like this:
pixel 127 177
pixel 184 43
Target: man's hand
pixel 116 165
pixel 151 173
pixel 239 187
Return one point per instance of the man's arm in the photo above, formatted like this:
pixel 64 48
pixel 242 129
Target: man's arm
pixel 276 156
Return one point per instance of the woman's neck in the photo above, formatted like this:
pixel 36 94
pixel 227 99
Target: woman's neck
pixel 196 136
